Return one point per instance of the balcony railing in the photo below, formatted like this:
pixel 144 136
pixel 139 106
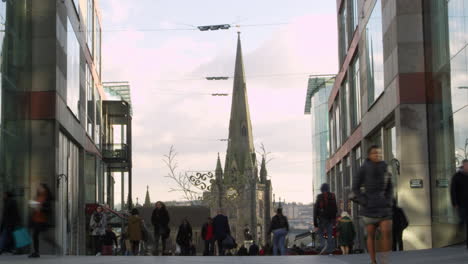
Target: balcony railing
pixel 115 151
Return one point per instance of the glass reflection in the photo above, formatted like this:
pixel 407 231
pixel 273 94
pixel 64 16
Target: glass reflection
pixel 374 54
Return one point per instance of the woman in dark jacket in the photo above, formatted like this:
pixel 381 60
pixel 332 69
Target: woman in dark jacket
pixel 376 202
pixel 10 220
pixel 184 237
pixel 160 221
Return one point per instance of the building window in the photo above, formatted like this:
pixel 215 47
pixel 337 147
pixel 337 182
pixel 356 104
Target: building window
pixel 355 93
pixel 89 102
pixel 97 132
pixel 331 121
pixel 355 15
pixel 345 111
pixel 374 54
pixel 73 70
pixel 344 34
pixel 90 27
pixel 98 46
pixel 337 119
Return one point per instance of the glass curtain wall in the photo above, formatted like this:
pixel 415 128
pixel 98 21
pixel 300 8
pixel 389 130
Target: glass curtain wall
pixel 15 76
pixel 355 93
pixel 446 30
pixel 320 132
pixel 374 54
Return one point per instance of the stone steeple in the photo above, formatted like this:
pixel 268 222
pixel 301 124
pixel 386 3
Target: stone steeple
pixel 219 169
pixel 240 145
pixel 147 198
pixel 263 171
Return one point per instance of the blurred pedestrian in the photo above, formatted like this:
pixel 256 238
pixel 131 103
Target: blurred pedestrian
pixel 221 230
pixel 135 230
pixel 242 251
pixel 376 201
pixel 459 195
pixel 254 249
pixel 160 221
pixel 346 233
pixel 400 223
pixel 108 241
pixel 325 213
pixel 279 227
pixel 208 237
pixel 42 218
pixel 10 220
pixel 98 223
pixel 184 237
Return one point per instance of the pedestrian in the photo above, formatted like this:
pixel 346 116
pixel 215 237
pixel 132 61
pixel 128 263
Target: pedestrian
pixel 459 195
pixel 160 221
pixel 42 218
pixel 400 223
pixel 108 241
pixel 98 223
pixel 135 230
pixel 279 227
pixel 10 220
pixel 346 233
pixel 325 212
pixel 254 249
pixel 184 237
pixel 208 237
pixel 221 230
pixel 242 251
pixel 376 201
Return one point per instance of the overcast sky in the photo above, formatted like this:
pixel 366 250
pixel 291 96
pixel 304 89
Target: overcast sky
pixel 171 101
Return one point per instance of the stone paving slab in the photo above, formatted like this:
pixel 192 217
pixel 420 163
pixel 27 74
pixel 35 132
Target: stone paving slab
pixel 456 255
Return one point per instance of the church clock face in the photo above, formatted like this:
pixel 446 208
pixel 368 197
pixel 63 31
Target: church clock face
pixel 231 193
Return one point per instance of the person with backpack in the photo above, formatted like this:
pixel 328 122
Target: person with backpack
pixel 279 227
pixel 325 212
pixel 97 224
pixel 400 223
pixel 376 202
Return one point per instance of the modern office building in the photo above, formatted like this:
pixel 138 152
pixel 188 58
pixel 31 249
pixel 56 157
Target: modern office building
pixel 52 127
pixel 318 91
pixel 402 85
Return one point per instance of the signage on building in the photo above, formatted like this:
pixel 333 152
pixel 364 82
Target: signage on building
pixel 416 183
pixel 442 183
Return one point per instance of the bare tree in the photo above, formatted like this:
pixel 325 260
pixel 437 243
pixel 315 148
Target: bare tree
pixel 181 179
pixel 264 153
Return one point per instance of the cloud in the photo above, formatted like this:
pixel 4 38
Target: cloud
pixel 172 105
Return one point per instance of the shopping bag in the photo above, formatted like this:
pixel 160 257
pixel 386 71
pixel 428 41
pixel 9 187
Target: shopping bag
pixel 21 237
pixel 228 242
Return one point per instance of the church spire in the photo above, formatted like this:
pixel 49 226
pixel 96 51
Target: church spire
pixel 219 169
pixel 263 171
pixel 240 144
pixel 147 198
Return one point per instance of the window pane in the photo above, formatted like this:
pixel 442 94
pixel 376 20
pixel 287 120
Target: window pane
pixel 73 70
pixel 374 54
pixel 90 27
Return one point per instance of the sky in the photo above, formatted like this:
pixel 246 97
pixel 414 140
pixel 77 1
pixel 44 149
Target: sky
pixel 155 46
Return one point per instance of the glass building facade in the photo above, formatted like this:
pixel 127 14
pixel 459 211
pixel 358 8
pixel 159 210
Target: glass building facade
pixel 446 30
pixel 318 92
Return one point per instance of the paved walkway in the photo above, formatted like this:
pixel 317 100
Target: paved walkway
pixel 455 255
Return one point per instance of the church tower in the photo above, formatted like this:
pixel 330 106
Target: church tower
pixel 239 189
